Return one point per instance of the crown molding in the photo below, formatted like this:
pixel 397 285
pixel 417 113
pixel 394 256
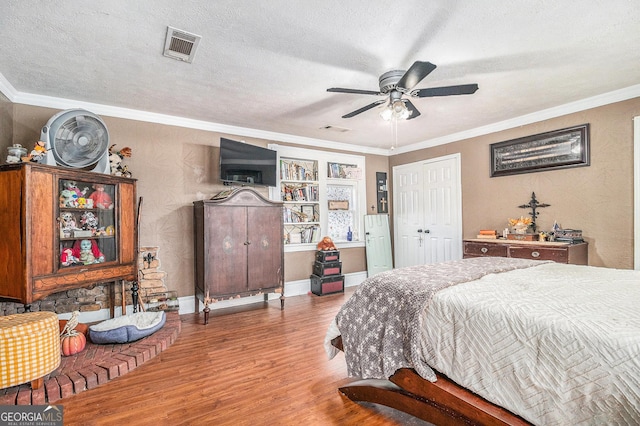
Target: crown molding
pixel 131 114
pixel 171 120
pixel 546 114
pixel 7 89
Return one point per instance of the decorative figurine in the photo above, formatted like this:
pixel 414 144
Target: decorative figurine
pixel 15 153
pixel 67 224
pixel 87 252
pixel 115 161
pixel 37 154
pixel 67 258
pixel 101 198
pixel 89 222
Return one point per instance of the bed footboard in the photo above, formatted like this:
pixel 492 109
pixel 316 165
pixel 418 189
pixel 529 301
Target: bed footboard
pixel 440 402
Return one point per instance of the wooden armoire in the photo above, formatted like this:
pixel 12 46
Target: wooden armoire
pixel 239 247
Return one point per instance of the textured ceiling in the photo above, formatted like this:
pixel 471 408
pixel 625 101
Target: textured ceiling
pixel 266 66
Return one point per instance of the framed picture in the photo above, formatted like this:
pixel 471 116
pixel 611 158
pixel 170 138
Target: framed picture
pixel 308 211
pixel 558 149
pixel 338 204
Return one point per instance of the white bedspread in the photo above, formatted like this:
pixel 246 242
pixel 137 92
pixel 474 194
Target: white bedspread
pixel 557 344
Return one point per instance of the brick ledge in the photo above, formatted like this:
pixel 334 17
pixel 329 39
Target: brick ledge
pixel 94 366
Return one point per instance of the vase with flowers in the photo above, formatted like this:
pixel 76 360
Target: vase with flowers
pixel 520 225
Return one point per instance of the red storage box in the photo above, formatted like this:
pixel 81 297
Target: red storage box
pixel 321 286
pixel 324 269
pixel 327 255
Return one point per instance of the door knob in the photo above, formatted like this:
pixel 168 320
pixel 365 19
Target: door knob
pixel 420 230
pixel 427 231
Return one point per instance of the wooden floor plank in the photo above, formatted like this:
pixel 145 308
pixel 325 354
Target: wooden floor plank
pixel 253 365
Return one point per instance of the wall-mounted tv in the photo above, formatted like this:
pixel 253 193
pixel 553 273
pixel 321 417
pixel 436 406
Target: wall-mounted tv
pixel 247 164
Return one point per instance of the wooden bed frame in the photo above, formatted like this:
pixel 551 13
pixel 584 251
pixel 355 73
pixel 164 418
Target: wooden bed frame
pixel 442 402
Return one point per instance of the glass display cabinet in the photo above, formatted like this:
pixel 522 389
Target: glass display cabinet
pixel 87 221
pixel 64 228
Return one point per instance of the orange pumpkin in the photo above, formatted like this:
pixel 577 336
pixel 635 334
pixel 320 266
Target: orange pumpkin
pixel 71 344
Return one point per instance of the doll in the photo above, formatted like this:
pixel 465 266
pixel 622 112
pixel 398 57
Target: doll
pixel 67 258
pixel 87 252
pixel 67 224
pixel 89 222
pixel 100 198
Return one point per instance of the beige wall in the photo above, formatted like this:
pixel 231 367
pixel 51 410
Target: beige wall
pixel 597 199
pixel 6 125
pixel 175 166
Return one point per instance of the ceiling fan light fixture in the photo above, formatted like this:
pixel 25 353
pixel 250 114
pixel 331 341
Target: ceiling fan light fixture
pixel 386 113
pixel 396 109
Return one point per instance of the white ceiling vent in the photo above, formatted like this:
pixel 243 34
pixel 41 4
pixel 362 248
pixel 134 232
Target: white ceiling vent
pixel 180 45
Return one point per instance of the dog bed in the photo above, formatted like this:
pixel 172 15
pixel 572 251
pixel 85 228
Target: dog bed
pixel 127 328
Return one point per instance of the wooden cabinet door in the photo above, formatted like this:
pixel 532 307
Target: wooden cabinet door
pixel 265 238
pixel 225 250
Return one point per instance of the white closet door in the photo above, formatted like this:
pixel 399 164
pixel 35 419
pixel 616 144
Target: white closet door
pixel 427 211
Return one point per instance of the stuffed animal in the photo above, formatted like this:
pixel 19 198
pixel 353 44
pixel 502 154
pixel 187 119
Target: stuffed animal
pixel 326 244
pixel 67 258
pixel 37 154
pixel 89 222
pixel 100 198
pixel 71 185
pixel 115 161
pixel 68 198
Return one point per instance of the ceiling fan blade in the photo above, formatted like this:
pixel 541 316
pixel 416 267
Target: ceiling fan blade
pixel 464 89
pixel 415 74
pixel 414 111
pixel 354 91
pixel 364 108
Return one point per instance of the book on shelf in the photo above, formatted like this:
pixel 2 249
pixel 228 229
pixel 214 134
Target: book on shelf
pixel 291 170
pixel 488 232
pixel 303 192
pixel 487 237
pixel 306 235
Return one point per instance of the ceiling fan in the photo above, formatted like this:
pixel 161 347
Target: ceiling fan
pixel 398 83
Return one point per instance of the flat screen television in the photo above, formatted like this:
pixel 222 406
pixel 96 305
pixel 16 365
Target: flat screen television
pixel 247 164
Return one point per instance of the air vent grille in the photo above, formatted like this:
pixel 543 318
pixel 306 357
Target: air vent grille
pixel 180 45
pixel 335 128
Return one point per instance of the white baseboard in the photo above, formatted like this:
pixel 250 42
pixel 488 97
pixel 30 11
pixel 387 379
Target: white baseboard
pixel 187 303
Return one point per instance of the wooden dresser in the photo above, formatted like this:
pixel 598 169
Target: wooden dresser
pixel 558 252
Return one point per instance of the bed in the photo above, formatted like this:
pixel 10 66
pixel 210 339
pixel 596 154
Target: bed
pixel 495 341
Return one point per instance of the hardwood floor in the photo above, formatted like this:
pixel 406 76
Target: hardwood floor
pixel 253 365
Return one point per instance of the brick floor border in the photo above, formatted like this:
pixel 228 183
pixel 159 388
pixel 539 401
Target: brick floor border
pixel 94 366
